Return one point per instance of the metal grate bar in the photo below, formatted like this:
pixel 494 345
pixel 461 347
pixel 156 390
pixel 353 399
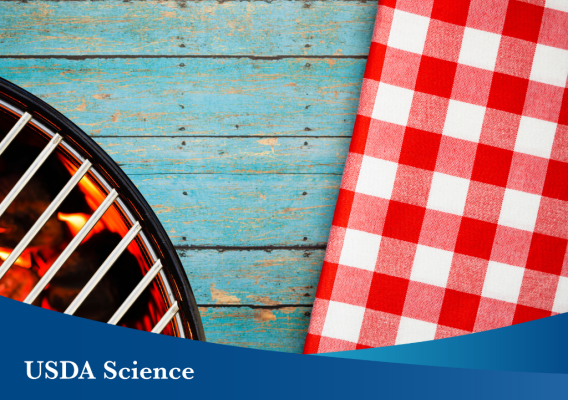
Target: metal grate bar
pixel 17 252
pixel 24 119
pixel 29 173
pixel 83 232
pixel 165 320
pixel 103 269
pixel 136 293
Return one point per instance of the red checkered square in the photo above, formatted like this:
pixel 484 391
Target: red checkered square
pixel 411 185
pixel 374 67
pixel 556 183
pixel 538 289
pixel 507 93
pixel 436 76
pixel 368 96
pixel 443 40
pixel 439 230
pixel 368 213
pixel 335 244
pixel 459 310
pixel 404 221
pixel 456 157
pixel 560 145
pixel 349 286
pixel 511 246
pixel 384 140
pixel 327 275
pixel 317 321
pixel 423 8
pixel 523 21
pixel 444 332
pixel 527 173
pixel 543 101
pixel 546 253
pixel 328 344
pixel 484 202
pixel 395 258
pixel 472 85
pixel 494 314
pixel 343 209
pixel 452 215
pixel 553 29
pixel 400 68
pixel 360 133
pixel 515 57
pixel 423 302
pixel 378 328
pixel 393 292
pixel 475 238
pixel 500 129
pixel 420 149
pixel 487 15
pixel 492 165
pixel 351 172
pixel 526 314
pixel 552 218
pixel 452 11
pixel 428 112
pixel 383 24
pixel 467 274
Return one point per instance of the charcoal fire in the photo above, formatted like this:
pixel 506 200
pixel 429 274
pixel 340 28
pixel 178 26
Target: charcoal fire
pixel 60 229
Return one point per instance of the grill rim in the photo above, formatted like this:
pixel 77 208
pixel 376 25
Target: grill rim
pixel 108 168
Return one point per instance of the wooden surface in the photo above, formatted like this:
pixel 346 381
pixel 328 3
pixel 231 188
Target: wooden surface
pixel 233 118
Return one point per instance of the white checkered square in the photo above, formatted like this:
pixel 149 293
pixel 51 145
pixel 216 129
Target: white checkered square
pixel 535 137
pixel 503 282
pixel 376 177
pixel 412 330
pixel 408 32
pixel 392 104
pixel 479 49
pixel 431 266
pixel 343 321
pixel 448 193
pixel 560 5
pixel 550 65
pixel 519 210
pixel 561 299
pixel 360 249
pixel 464 121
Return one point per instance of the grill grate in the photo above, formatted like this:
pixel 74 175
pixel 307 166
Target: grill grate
pixel 87 166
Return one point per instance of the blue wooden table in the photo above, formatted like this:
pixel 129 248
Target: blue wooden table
pixel 233 118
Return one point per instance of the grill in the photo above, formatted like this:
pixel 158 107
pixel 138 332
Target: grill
pixel 168 306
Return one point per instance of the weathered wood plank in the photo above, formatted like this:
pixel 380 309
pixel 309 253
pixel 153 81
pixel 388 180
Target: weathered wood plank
pixel 272 277
pixel 282 329
pixel 227 155
pixel 187 27
pixel 242 210
pixel 189 97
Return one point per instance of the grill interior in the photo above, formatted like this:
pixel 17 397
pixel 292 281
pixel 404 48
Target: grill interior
pixel 75 234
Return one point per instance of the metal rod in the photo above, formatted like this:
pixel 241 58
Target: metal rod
pixel 167 317
pixel 17 252
pixel 83 232
pixel 103 269
pixel 136 293
pixel 29 173
pixel 24 119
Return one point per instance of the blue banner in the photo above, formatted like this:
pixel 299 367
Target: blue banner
pixel 113 362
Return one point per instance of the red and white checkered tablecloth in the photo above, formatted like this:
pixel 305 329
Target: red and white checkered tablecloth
pixel 452 215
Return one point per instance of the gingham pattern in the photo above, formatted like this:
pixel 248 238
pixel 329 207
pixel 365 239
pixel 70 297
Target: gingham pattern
pixel 452 215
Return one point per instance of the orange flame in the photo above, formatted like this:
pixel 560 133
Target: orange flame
pixel 25 260
pixel 76 221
